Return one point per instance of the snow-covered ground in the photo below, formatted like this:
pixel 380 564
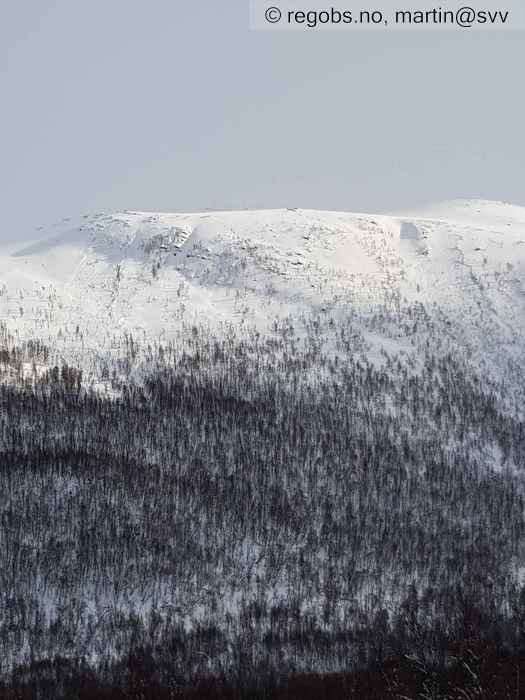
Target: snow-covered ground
pixel 89 281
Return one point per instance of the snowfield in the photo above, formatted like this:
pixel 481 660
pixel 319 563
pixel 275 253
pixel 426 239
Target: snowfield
pixel 90 281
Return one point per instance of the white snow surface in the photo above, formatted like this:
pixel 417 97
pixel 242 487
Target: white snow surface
pixel 88 280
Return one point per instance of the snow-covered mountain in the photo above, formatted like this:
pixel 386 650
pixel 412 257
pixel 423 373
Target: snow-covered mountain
pixel 264 443
pixel 87 281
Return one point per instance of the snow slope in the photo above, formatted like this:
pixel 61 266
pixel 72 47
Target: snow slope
pixel 89 280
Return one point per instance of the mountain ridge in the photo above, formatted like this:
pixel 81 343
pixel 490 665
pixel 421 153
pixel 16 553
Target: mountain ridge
pixel 152 274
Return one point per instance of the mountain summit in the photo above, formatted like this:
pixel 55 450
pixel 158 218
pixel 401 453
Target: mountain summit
pixel 461 262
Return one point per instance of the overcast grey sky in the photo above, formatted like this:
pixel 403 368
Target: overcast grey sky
pixel 170 105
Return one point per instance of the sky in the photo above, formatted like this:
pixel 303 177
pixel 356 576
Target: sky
pixel 181 106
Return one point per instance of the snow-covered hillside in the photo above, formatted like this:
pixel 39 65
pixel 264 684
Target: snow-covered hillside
pixel 88 281
pixel 278 434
